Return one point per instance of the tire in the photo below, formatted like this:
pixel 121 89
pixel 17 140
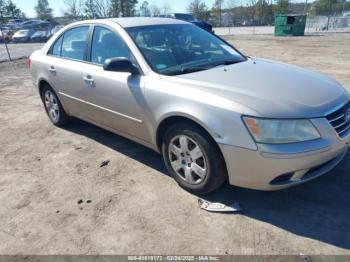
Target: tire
pixel 53 107
pixel 196 171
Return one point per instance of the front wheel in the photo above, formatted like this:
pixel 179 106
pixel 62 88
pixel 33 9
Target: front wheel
pixel 193 158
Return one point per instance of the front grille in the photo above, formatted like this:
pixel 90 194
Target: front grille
pixel 338 120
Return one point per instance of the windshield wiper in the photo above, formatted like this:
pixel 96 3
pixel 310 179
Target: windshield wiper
pixel 226 62
pixel 187 70
pixel 202 67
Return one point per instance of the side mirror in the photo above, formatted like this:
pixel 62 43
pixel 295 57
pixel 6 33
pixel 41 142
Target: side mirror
pixel 120 64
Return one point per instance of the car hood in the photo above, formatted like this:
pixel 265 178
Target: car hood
pixel 270 88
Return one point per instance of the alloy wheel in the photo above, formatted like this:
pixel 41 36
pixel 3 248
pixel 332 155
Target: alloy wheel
pixel 51 105
pixel 187 159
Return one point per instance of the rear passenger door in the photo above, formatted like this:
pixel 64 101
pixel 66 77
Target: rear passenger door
pixel 66 59
pixel 116 98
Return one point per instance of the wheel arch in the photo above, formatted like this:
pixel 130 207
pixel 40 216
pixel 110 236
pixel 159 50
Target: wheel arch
pixel 41 84
pixel 169 120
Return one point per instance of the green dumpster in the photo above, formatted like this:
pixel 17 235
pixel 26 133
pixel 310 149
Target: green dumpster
pixel 290 25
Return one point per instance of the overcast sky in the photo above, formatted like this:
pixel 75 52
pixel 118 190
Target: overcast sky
pixel 27 6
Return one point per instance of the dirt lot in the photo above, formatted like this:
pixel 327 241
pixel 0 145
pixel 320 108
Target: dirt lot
pixel 135 207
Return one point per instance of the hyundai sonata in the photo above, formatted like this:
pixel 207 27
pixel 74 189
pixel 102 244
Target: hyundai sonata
pixel 212 112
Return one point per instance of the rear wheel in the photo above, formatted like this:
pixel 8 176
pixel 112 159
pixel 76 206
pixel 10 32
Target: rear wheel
pixel 193 158
pixel 54 107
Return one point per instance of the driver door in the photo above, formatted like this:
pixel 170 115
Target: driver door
pixel 115 99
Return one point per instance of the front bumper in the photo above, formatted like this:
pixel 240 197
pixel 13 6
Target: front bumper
pixel 274 167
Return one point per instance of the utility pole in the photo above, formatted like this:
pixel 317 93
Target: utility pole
pixel 344 3
pixel 305 9
pixel 220 12
pixel 329 13
pixel 3 36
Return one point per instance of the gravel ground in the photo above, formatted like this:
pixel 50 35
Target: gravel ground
pixel 56 199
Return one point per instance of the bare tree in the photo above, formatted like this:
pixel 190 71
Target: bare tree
pixel 145 9
pixel 165 9
pixel 217 9
pixel 103 8
pixel 73 9
pixel 252 4
pixel 199 9
pixel 231 7
pixel 155 10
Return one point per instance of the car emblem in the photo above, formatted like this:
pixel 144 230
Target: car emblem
pixel 347 116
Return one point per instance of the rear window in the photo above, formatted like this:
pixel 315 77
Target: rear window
pixel 56 48
pixel 72 44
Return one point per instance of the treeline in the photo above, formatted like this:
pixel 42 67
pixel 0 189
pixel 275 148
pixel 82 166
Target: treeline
pixel 10 9
pixel 222 12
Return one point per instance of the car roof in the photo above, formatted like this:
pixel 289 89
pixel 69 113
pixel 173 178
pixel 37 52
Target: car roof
pixel 144 21
pixel 139 21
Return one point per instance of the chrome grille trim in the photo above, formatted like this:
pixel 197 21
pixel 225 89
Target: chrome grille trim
pixel 338 121
pixel 346 129
pixel 344 123
pixel 337 118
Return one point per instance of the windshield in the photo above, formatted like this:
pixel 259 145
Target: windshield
pixel 182 48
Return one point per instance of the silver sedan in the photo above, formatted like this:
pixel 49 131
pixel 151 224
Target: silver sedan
pixel 213 113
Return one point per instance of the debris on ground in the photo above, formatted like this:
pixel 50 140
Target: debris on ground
pixel 104 163
pixel 218 207
pixel 88 201
pixel 80 201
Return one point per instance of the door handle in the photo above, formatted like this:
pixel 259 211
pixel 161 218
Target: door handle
pixel 52 69
pixel 89 80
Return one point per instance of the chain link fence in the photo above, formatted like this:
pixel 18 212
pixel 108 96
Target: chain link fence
pixel 314 25
pixel 238 17
pixel 257 16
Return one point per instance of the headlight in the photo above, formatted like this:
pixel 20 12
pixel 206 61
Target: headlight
pixel 276 131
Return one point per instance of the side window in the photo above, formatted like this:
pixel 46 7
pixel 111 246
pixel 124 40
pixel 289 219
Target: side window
pixel 56 48
pixel 75 43
pixel 106 44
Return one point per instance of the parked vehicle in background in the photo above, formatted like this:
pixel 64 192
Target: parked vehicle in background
pixel 190 18
pixel 13 26
pixel 35 25
pixel 15 23
pixel 39 37
pixel 30 23
pixel 212 112
pixel 55 29
pixel 22 36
